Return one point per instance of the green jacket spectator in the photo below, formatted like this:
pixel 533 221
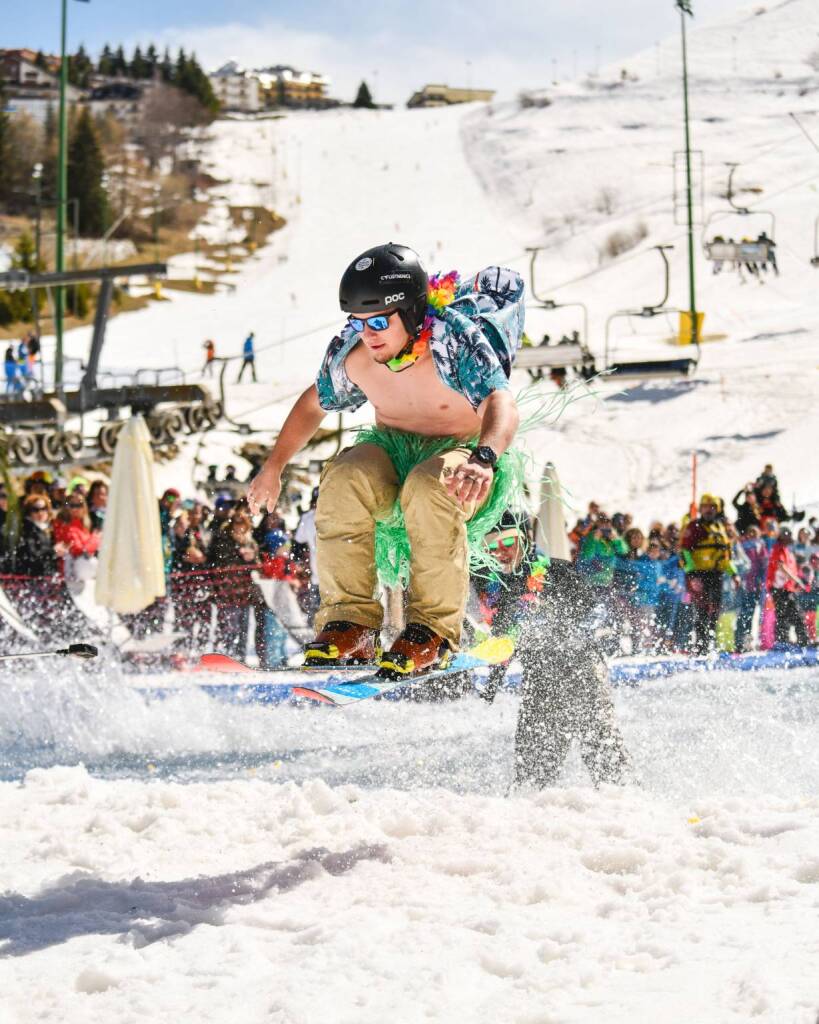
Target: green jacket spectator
pixel 599 553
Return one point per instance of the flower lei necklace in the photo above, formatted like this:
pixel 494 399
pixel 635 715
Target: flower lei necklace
pixel 440 293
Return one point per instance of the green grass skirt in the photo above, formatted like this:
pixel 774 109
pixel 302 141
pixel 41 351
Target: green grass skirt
pixel 406 451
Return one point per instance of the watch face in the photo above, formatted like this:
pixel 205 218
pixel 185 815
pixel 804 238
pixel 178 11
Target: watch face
pixel 485 454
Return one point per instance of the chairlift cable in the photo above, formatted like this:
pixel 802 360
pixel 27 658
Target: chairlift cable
pixel 805 132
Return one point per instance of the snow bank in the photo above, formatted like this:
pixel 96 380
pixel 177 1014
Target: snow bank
pixel 304 902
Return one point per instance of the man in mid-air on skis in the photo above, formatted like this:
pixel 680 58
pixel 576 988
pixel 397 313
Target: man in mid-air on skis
pixel 418 490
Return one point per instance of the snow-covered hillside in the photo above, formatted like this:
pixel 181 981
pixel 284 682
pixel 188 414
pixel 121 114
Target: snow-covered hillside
pixel 288 866
pixel 599 159
pixel 468 187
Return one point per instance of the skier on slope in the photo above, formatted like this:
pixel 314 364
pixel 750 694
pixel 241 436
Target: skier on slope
pixel 560 630
pixel 433 358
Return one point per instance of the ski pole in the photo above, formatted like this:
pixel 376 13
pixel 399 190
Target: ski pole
pixel 82 651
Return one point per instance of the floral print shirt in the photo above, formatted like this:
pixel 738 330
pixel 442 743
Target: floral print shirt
pixel 473 343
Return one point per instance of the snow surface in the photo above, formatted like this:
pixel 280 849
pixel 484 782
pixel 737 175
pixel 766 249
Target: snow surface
pixel 299 865
pixel 184 859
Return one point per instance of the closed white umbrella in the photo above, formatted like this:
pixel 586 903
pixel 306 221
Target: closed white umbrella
pixel 131 572
pixel 550 532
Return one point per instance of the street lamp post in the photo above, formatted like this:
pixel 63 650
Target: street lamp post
pixel 62 189
pixel 684 7
pixel 105 182
pixel 37 175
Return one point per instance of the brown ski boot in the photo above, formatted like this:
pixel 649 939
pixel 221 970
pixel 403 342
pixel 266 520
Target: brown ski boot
pixel 342 643
pixel 416 651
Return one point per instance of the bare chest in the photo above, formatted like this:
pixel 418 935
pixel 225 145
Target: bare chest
pixel 415 399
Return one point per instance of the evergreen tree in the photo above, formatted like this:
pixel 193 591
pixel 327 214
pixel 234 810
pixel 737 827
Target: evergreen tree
pixel 119 63
pixel 6 151
pixel 190 78
pixel 25 256
pixel 152 61
pixel 180 69
pixel 166 67
pixel 138 69
pixel 20 138
pixel 364 98
pixel 85 169
pixel 40 61
pixel 49 154
pixel 80 68
pixel 106 61
pixel 201 88
pixel 15 307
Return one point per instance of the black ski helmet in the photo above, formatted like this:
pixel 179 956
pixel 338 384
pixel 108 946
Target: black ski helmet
pixel 387 277
pixel 520 521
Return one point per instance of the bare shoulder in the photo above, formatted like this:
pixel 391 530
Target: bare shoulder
pixel 355 362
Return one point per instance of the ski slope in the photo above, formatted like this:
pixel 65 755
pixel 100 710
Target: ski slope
pixel 467 187
pixel 186 859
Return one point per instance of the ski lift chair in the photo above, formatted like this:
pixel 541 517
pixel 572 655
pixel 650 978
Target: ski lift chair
pixel 569 353
pixel 644 369
pixel 750 253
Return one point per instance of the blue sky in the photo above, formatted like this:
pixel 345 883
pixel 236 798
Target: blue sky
pixel 397 45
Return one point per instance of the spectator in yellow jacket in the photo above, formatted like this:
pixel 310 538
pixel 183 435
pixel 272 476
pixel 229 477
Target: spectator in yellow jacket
pixel 705 555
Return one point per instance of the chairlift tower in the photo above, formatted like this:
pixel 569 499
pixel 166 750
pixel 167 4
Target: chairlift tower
pixel 684 7
pixel 35 428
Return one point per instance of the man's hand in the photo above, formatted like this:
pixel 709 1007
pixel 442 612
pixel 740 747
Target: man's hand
pixel 264 490
pixel 470 482
pixel 737 582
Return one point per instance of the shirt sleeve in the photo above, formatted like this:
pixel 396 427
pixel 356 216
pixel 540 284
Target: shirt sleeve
pixel 498 299
pixel 478 369
pixel 336 392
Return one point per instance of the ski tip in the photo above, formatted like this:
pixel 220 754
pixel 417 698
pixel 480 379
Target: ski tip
pixel 220 663
pixel 303 691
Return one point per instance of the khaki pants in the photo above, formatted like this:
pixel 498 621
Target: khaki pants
pixel 358 487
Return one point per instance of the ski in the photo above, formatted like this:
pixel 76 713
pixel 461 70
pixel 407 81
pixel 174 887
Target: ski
pixel 224 663
pixel 493 651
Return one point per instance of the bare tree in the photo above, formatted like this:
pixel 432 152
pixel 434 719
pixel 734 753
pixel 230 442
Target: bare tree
pixel 621 241
pixel 166 117
pixel 606 200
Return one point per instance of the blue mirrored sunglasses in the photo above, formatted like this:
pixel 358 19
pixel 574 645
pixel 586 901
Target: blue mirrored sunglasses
pixel 375 323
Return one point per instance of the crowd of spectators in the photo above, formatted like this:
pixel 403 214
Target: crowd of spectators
pixel 223 569
pixel 235 582
pixel 710 580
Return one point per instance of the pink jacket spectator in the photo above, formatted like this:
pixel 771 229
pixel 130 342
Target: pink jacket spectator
pixel 782 555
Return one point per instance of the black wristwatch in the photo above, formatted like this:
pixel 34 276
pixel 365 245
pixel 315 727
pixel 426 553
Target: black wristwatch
pixel 486 456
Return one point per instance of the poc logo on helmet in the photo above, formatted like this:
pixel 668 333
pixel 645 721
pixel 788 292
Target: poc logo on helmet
pixel 389 299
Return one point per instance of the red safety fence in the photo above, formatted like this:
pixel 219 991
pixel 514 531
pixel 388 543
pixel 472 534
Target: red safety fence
pixel 230 586
pixel 46 607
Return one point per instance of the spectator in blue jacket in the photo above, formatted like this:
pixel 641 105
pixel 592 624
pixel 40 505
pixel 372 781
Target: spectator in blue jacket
pixel 670 590
pixel 248 358
pixel 13 382
pixel 647 570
